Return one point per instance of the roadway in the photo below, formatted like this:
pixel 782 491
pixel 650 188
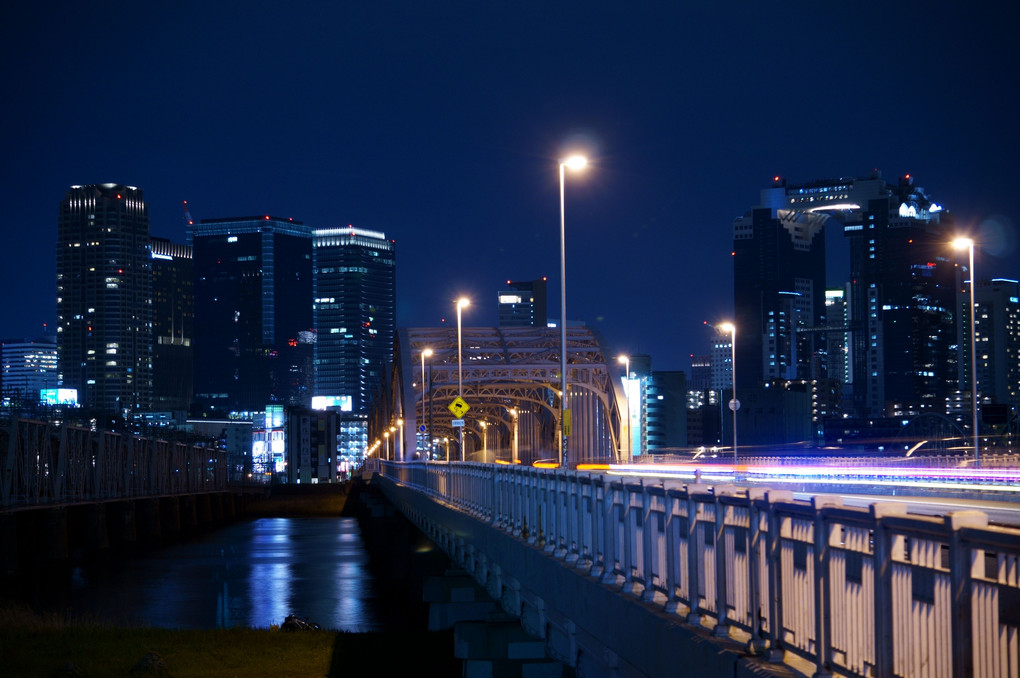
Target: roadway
pixel 925 491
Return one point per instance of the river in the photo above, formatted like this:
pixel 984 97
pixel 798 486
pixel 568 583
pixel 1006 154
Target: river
pixel 251 573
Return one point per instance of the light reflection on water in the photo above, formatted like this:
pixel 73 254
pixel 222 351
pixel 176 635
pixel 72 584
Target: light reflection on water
pixel 252 573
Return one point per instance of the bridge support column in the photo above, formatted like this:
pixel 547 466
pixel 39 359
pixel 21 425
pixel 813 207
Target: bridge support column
pixel 203 509
pixel 170 515
pixel 123 523
pixel 53 535
pixel 189 512
pixel 149 525
pixel 10 537
pixel 97 534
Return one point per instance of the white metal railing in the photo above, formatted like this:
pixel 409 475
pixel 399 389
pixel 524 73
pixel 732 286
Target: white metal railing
pixel 868 592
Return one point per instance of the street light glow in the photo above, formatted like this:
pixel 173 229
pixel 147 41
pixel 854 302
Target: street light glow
pixel 575 162
pixel 962 243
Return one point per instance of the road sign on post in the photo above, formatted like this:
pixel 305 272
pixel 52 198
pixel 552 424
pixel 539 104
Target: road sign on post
pixel 458 407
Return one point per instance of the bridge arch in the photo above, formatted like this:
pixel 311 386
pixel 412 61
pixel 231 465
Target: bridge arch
pixel 511 378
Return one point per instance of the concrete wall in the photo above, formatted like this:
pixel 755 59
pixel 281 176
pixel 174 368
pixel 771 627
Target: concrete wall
pixel 590 626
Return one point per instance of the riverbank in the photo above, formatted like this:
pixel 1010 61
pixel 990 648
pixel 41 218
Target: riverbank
pixel 33 644
pixel 295 501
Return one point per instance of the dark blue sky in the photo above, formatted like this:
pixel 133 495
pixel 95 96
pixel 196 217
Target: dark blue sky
pixel 440 123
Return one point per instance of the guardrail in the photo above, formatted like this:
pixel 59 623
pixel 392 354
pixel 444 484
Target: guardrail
pixel 45 464
pixel 852 591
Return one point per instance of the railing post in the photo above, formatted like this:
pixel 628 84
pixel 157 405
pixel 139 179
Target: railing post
pixel 693 556
pixel 962 563
pixel 722 583
pixel 774 544
pixel 822 591
pixel 755 553
pixel 610 532
pixel 882 567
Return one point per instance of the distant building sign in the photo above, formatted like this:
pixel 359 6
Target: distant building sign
pixel 59 396
pixel 343 403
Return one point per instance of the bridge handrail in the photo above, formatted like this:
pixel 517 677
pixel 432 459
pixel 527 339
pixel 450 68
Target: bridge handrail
pixel 42 463
pixel 854 591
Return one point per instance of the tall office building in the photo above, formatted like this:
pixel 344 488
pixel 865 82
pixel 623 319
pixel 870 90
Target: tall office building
pixel 901 301
pixel 253 313
pixel 29 366
pixel 173 324
pixel 104 299
pixel 523 304
pixel 997 337
pixel 779 290
pixel 899 312
pixel 354 314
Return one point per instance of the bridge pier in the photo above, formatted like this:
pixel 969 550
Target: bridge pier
pixel 123 525
pixel 149 526
pixel 170 515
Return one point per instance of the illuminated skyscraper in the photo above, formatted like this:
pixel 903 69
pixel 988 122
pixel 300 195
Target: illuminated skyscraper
pixel 354 311
pixel 104 297
pixel 173 325
pixel 253 313
pixel 523 304
pixel 997 336
pixel 898 313
pixel 29 365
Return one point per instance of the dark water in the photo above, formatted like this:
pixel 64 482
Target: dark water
pixel 252 573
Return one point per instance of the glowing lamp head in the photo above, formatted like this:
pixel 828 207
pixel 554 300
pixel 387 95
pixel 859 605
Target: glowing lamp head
pixel 575 162
pixel 728 327
pixel 622 359
pixel 463 302
pixel 426 353
pixel 963 243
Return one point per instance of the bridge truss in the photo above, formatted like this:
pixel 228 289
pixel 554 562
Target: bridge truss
pixel 511 378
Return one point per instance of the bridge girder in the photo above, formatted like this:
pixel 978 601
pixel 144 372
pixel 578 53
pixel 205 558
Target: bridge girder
pixel 503 369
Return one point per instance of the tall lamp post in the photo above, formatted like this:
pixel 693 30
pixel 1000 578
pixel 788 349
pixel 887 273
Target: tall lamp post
pixel 513 444
pixel 421 425
pixel 461 303
pixel 625 360
pixel 574 162
pixel 968 244
pixel 734 403
pixel 485 440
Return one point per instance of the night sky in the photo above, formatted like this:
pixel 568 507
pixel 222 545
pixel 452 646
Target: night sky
pixel 440 124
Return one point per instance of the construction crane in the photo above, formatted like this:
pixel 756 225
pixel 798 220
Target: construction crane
pixel 188 221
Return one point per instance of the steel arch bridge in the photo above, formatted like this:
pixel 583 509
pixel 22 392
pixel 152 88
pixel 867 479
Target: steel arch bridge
pixel 511 378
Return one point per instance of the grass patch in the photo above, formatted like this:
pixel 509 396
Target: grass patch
pixel 35 645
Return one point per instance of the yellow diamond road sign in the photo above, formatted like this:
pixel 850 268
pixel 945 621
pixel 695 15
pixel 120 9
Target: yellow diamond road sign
pixel 458 407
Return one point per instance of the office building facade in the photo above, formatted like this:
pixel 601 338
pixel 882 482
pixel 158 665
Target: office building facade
pixel 894 325
pixel 523 304
pixel 354 308
pixel 104 297
pixel 29 366
pixel 253 332
pixel 173 325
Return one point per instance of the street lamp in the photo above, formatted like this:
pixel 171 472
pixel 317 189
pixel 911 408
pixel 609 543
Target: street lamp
pixel 625 360
pixel 461 303
pixel 513 444
pixel 734 403
pixel 968 244
pixel 485 442
pixel 421 426
pixel 386 435
pixel 574 162
pixel 400 442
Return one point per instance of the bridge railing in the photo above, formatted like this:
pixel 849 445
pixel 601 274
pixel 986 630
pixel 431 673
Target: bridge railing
pixel 854 591
pixel 41 463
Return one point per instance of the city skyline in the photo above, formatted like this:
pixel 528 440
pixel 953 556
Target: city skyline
pixel 443 129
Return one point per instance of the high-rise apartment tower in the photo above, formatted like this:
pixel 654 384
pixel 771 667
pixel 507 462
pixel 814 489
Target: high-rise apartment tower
pixel 104 297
